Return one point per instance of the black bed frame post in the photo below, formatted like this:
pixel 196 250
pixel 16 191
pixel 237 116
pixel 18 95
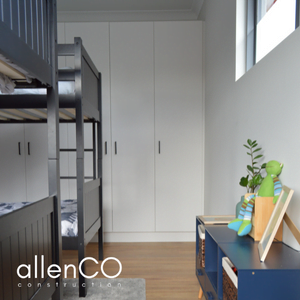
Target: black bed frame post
pixel 53 145
pixel 80 161
pixel 99 131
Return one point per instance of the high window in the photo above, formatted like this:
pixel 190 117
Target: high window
pixel 260 26
pixel 269 23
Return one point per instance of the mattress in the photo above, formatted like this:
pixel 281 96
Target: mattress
pixel 64 88
pixel 69 224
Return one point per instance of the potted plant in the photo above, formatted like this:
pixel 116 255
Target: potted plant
pixel 254 177
pixel 254 170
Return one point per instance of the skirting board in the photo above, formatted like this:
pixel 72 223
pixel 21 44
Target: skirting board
pixel 113 237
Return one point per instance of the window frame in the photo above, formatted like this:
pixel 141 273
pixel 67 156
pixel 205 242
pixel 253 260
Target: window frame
pixel 251 28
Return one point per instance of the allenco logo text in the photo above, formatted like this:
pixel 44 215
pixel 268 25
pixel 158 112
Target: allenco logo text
pixel 54 271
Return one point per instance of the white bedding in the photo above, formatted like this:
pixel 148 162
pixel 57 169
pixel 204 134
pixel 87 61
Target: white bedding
pixel 64 88
pixel 10 63
pixel 69 223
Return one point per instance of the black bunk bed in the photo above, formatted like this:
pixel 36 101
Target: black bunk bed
pixel 87 103
pixel 28 53
pixel 80 103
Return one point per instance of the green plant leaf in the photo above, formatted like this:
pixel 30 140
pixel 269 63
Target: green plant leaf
pixel 244 181
pixel 263 166
pixel 257 179
pixel 246 146
pixel 253 146
pixel 249 142
pixel 257 150
pixel 254 142
pixel 249 153
pixel 250 183
pixel 250 169
pixel 258 156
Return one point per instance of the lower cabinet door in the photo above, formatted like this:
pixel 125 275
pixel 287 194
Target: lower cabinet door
pixel 36 153
pixel 12 163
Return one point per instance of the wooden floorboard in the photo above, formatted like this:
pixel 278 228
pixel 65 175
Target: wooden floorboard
pixel 168 268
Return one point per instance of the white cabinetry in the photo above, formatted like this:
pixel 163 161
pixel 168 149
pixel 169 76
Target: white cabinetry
pixel 132 117
pixel 178 124
pixel 151 92
pixel 23 162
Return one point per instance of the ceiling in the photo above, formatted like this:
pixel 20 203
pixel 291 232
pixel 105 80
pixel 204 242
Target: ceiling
pixel 128 10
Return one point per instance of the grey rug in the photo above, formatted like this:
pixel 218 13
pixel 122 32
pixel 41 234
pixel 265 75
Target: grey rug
pixel 107 289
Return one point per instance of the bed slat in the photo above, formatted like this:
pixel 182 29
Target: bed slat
pixel 21 114
pixel 4 114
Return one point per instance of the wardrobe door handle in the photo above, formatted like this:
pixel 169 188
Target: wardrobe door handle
pixel 158 147
pixel 105 148
pixel 19 148
pixel 28 148
pixel 116 148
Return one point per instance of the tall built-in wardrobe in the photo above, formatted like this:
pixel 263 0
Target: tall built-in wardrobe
pixel 152 121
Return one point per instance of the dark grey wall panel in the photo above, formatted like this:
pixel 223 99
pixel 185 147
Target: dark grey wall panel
pixel 1 269
pixel 23 260
pixel 46 240
pixel 50 225
pixel 22 24
pixel 40 29
pixel 41 246
pixel 29 256
pixel 34 14
pixel 35 250
pixel 28 24
pixel 15 18
pixel 6 264
pixel 89 85
pixel 6 13
pixel 15 262
pixel 91 208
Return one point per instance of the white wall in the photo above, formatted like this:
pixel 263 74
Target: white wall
pixel 263 104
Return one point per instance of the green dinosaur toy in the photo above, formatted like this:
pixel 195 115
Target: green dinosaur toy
pixel 270 187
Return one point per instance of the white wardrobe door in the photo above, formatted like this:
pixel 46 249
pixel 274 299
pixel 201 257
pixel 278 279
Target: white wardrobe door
pixel 36 152
pixel 95 37
pixel 12 163
pixel 178 124
pixel 132 117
